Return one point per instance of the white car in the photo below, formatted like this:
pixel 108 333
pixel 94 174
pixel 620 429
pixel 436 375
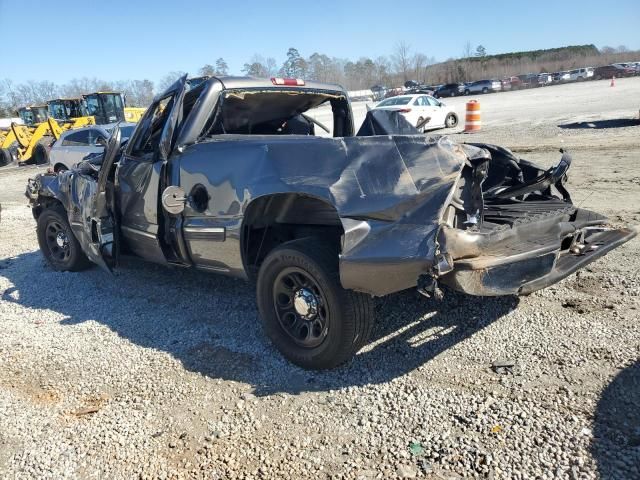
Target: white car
pixel 581 74
pixel 418 108
pixel 73 145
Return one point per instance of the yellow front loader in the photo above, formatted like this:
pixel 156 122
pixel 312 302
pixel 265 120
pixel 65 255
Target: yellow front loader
pixel 34 141
pixel 15 138
pixel 133 114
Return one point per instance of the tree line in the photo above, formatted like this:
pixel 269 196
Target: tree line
pixel 393 70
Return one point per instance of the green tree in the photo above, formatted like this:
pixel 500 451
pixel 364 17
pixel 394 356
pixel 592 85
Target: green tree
pixel 481 51
pixel 221 67
pixel 294 66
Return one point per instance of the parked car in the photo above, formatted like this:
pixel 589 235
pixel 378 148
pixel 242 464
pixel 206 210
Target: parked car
pixel 449 90
pixel 418 108
pixel 581 74
pixel 609 71
pixel 515 82
pixel 393 92
pixel 505 84
pixel 544 79
pixel 74 145
pixel 229 177
pixel 419 91
pixel 482 86
pixel 528 80
pixel 560 77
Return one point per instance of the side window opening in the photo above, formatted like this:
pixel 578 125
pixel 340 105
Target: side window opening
pixel 148 140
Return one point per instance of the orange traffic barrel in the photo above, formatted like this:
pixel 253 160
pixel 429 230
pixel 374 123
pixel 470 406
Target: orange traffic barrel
pixel 472 121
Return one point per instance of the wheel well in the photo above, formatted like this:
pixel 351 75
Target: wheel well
pixel 45 203
pixel 272 220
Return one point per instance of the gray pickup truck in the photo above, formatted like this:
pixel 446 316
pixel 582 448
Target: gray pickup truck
pixel 229 176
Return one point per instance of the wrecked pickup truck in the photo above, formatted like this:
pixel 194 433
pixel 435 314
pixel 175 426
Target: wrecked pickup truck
pixel 229 176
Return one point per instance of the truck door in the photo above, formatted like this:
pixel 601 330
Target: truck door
pixel 141 177
pixel 99 219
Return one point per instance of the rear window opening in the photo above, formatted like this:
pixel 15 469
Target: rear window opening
pixel 282 112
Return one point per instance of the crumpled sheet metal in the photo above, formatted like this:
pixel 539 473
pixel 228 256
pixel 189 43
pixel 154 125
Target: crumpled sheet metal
pixel 391 186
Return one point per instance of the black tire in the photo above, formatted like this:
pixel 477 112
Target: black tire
pixel 453 94
pixel 40 155
pixel 451 121
pixel 5 157
pixel 466 92
pixel 65 255
pixel 485 90
pixel 325 340
pixel 59 168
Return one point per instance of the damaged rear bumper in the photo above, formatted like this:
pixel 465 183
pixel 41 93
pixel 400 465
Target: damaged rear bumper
pixel 523 274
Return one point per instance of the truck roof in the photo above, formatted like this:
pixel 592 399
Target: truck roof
pixel 231 82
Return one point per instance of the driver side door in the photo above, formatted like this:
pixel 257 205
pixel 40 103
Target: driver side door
pixel 141 176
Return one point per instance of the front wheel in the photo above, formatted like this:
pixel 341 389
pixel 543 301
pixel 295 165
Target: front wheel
pixel 5 157
pixel 451 120
pixel 58 244
pixel 485 90
pixel 466 92
pixel 309 317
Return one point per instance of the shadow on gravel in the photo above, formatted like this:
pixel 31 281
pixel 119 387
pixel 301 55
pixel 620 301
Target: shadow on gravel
pixel 598 124
pixel 210 323
pixel 616 436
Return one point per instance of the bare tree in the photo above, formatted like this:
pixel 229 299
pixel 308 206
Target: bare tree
pixel 467 51
pixel 169 79
pixel 207 69
pixel 402 59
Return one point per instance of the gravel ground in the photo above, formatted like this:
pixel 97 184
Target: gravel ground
pixel 160 373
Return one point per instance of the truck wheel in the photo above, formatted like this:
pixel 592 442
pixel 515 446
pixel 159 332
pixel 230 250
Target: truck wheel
pixel 309 317
pixel 57 242
pixel 5 157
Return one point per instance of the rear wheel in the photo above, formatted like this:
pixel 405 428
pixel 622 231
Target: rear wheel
pixel 451 120
pixel 309 317
pixel 58 244
pixel 485 90
pixel 40 155
pixel 60 168
pixel 466 92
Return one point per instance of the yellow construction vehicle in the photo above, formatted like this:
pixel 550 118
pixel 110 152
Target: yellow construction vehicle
pixel 32 142
pixel 12 147
pixel 109 107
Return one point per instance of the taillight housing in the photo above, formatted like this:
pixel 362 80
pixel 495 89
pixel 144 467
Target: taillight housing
pixel 290 82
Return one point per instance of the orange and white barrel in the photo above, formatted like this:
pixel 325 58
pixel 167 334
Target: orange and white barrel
pixel 472 121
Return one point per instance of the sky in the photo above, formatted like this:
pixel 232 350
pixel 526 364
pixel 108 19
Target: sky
pixel 123 40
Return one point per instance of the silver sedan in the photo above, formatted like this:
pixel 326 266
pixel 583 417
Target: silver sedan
pixel 73 145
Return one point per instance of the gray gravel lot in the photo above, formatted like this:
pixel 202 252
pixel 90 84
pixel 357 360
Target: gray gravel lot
pixel 162 373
